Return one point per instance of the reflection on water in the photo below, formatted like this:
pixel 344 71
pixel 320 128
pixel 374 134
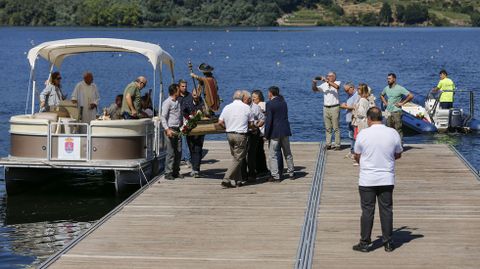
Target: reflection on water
pixel 40 221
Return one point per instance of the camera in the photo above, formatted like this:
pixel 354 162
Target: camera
pixel 318 78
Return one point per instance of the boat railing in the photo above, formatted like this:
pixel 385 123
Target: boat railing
pixel 76 138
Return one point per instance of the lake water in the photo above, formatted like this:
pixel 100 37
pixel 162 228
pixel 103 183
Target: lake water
pixel 38 223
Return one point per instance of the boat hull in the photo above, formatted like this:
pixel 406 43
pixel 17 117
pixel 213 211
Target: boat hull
pixel 417 125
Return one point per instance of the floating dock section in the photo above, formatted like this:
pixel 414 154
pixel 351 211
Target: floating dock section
pixel 310 222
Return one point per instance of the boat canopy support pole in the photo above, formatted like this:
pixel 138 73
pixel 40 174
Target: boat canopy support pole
pixel 160 96
pixel 31 86
pixel 152 98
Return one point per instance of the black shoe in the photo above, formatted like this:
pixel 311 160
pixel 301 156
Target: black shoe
pixel 179 176
pixel 169 177
pixel 241 183
pixel 291 175
pixel 362 247
pixel 337 148
pixel 275 180
pixel 389 247
pixel 227 184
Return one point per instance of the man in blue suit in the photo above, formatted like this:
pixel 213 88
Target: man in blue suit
pixel 277 131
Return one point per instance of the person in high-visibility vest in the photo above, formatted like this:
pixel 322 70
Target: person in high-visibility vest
pixel 446 88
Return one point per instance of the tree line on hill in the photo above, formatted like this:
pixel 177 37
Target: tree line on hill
pixel 156 13
pixel 149 13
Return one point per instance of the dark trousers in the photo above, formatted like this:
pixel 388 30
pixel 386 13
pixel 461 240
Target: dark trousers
pixel 261 158
pixel 174 154
pixel 446 105
pixel 195 146
pixel 249 164
pixel 368 197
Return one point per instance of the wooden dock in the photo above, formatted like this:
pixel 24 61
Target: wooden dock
pixel 194 223
pixel 436 214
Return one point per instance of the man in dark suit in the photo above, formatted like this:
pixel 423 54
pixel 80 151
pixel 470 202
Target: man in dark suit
pixel 277 131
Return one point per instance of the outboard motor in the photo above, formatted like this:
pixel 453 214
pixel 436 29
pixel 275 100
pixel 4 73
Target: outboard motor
pixel 455 118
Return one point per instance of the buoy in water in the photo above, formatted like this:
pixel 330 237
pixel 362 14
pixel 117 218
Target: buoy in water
pixel 278 63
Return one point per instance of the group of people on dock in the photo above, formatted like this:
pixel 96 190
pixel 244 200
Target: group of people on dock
pixel 248 122
pixel 374 147
pixel 361 98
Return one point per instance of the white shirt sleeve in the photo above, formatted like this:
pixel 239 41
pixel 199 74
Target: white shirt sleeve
pixel 323 87
pixel 398 143
pixel 222 115
pixel 165 112
pixel 75 92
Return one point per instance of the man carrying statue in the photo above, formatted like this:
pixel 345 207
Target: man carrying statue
pixel 208 86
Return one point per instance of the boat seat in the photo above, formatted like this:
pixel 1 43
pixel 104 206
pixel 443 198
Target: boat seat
pixel 50 116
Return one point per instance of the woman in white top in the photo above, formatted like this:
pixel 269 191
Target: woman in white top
pixel 51 96
pixel 261 168
pixel 365 102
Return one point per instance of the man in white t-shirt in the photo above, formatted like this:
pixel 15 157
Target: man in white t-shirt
pixel 376 149
pixel 331 107
pixel 236 117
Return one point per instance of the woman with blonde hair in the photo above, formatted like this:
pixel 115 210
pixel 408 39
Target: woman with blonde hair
pixel 365 102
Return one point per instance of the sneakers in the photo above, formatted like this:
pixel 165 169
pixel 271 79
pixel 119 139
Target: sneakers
pixel 355 163
pixel 337 148
pixel 226 183
pixel 195 174
pixel 362 247
pixel 291 175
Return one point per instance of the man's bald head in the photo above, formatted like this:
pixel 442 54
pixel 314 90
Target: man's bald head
pixel 141 82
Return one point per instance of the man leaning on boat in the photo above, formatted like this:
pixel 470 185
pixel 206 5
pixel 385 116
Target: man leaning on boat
pixel 132 99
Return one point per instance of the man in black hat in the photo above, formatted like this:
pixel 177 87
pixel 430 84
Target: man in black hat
pixel 208 85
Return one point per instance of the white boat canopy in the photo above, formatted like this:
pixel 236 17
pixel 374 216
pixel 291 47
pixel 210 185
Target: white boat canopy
pixel 56 51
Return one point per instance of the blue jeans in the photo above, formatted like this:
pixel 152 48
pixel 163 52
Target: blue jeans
pixel 186 150
pixel 351 130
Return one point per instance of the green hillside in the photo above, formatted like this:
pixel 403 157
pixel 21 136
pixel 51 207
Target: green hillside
pixel 159 13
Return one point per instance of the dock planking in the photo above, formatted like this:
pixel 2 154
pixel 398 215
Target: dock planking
pixel 436 214
pixel 194 223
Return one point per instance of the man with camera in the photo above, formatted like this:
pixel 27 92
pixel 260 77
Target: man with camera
pixel 331 107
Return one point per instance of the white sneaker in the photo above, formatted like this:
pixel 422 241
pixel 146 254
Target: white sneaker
pixel 355 164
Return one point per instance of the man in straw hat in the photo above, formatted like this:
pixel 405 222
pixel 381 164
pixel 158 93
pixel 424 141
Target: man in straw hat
pixel 208 85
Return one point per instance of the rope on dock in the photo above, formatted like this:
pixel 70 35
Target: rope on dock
pixel 475 172
pixel 306 245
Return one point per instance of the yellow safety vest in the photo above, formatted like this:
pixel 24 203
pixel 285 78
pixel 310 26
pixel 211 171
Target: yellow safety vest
pixel 447 87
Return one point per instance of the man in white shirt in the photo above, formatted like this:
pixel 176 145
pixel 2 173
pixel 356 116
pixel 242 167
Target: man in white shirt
pixel 331 107
pixel 376 149
pixel 85 95
pixel 236 118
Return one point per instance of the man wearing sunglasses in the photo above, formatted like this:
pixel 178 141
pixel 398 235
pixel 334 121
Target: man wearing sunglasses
pixel 131 103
